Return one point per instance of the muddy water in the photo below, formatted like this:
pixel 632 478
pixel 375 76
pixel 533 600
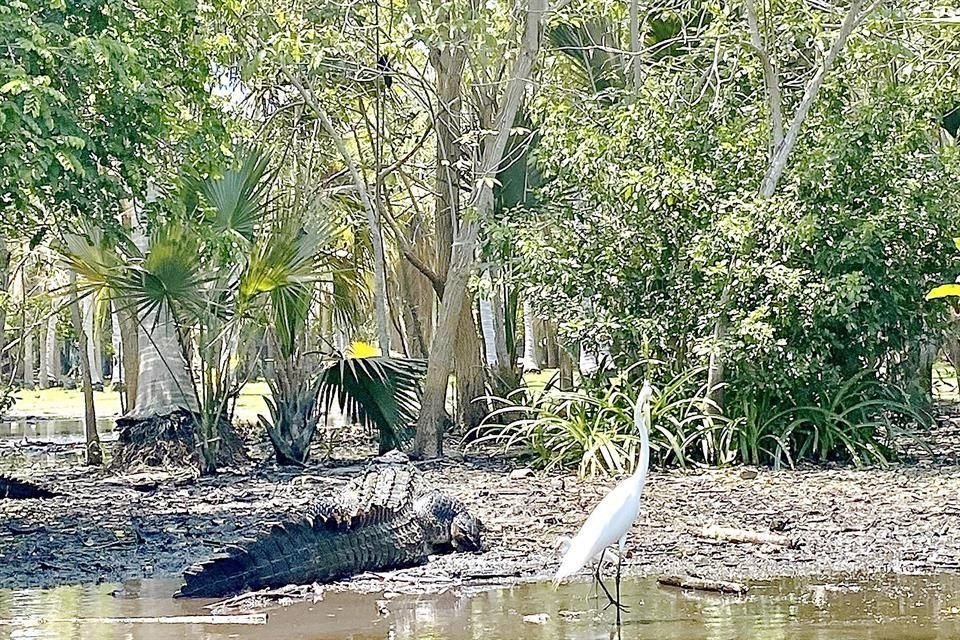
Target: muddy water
pixel 894 607
pixel 46 442
pixel 53 430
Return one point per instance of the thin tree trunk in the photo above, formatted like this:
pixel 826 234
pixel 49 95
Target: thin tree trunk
pixel 505 376
pixel 530 360
pixel 51 357
pixel 92 340
pixel 116 341
pixel 429 439
pixel 130 349
pixel 93 449
pixel 29 358
pixel 635 65
pixel 43 378
pixel 5 287
pixel 566 370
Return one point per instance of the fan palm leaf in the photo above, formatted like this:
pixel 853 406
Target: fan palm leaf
pixel 238 198
pixel 380 392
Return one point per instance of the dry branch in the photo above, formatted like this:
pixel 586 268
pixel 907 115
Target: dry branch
pixel 702 584
pixel 729 534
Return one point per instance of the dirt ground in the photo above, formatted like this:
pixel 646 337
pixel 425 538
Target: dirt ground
pixel 905 518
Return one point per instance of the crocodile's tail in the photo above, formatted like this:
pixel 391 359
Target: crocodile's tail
pixel 372 526
pixel 21 489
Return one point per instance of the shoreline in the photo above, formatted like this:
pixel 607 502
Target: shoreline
pixel 109 528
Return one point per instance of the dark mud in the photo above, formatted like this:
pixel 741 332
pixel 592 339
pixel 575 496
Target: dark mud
pixel 109 528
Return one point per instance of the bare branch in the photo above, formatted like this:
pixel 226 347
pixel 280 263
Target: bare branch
pixel 779 162
pixel 770 78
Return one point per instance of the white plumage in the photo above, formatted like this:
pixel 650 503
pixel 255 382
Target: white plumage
pixel 612 519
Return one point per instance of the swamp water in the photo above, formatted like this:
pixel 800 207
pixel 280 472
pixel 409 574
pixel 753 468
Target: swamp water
pixel 893 607
pixel 46 442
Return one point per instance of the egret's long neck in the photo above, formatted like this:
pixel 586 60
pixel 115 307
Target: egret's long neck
pixel 640 419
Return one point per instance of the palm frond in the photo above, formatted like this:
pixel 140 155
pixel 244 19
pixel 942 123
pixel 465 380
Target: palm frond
pixel 239 196
pixel 378 391
pixel 593 47
pixel 171 272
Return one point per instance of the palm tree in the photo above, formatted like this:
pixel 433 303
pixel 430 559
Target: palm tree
pixel 235 260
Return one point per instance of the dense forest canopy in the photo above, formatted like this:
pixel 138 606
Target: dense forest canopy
pixel 744 202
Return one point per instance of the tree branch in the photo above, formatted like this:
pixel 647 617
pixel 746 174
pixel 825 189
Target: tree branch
pixel 436 280
pixel 779 162
pixel 770 78
pixel 379 268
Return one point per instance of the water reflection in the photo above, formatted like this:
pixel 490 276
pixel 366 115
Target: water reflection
pixel 55 430
pixel 902 607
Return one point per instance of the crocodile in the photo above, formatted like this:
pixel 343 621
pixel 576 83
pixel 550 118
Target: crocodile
pixel 386 519
pixel 16 489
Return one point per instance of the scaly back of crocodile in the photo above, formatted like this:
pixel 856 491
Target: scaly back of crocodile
pixel 370 525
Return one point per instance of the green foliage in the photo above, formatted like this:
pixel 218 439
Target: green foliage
pixel 650 228
pixel 860 422
pixel 95 97
pixel 593 428
pixel 380 392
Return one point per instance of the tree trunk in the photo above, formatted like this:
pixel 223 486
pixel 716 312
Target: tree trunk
pixel 92 338
pixel 4 287
pixel 51 356
pixel 566 370
pixel 551 348
pixel 92 438
pixel 530 360
pixel 29 358
pixel 130 349
pixel 429 440
pixel 505 377
pixel 163 428
pixel 116 342
pixel 43 378
pixel 469 371
pixel 488 330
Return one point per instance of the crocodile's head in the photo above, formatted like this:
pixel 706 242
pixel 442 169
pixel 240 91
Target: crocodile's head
pixel 466 532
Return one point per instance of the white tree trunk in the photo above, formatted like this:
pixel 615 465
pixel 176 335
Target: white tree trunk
pixel 93 341
pixel 29 359
pixel 51 355
pixel 163 385
pixel 116 370
pixel 489 333
pixel 43 377
pixel 588 364
pixel 530 360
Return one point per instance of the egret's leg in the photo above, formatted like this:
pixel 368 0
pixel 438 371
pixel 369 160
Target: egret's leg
pixel 616 601
pixel 597 575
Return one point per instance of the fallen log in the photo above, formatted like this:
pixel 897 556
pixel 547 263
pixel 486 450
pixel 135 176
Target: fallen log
pixel 729 534
pixel 702 584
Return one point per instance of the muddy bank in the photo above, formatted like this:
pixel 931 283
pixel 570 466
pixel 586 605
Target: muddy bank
pixel 106 527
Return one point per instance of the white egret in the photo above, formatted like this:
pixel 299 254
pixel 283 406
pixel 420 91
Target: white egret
pixel 612 519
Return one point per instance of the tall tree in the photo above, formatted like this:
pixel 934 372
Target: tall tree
pixel 430 425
